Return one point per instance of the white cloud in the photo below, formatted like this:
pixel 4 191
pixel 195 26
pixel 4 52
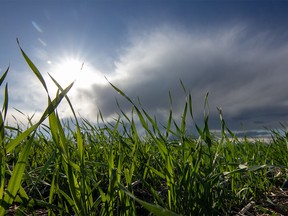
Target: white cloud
pixel 241 69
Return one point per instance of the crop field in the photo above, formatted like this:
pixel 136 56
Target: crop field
pixel 76 167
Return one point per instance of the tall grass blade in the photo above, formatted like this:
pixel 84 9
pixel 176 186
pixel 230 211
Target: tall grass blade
pixel 66 97
pixel 16 178
pixel 4 75
pixel 50 109
pixel 5 103
pixel 170 116
pixel 78 133
pixel 120 92
pixel 157 210
pixel 33 68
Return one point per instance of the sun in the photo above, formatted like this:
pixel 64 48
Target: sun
pixel 66 70
pixel 73 69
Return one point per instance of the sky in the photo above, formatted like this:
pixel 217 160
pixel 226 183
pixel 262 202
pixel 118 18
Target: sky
pixel 237 51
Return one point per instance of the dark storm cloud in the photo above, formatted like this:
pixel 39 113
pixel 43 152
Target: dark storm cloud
pixel 244 71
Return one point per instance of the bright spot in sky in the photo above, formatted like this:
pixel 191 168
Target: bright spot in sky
pixel 66 71
pixel 70 69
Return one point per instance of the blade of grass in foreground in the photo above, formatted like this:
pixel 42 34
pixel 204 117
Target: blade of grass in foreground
pixel 16 178
pixel 50 109
pixel 78 133
pixel 33 68
pixel 2 136
pixel 157 210
pixel 4 75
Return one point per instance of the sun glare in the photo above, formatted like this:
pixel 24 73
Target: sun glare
pixel 70 69
pixel 66 71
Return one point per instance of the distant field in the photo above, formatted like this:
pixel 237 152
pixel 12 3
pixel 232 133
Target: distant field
pixel 81 168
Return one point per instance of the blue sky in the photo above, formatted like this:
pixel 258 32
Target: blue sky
pixel 235 50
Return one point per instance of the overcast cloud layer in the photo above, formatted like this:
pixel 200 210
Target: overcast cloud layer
pixel 245 73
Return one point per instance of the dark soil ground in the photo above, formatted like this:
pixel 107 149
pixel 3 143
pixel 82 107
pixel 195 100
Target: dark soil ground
pixel 275 204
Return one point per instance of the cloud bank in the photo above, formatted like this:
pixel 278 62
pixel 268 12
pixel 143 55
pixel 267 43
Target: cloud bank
pixel 245 73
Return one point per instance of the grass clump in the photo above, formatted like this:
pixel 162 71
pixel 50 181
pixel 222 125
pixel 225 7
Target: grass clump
pixel 109 169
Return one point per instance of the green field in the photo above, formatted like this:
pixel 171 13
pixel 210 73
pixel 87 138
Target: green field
pixel 77 167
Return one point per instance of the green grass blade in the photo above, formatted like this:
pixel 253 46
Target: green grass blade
pixel 16 141
pixel 43 170
pixel 74 188
pixel 80 144
pixel 53 105
pixel 2 131
pixel 120 92
pixel 170 116
pixel 69 200
pixel 16 178
pixel 33 68
pixel 78 133
pixel 157 210
pixel 5 103
pixel 4 75
pixel 50 109
pixel 2 177
pixel 161 175
pixel 66 97
pixel 183 122
pixel 53 184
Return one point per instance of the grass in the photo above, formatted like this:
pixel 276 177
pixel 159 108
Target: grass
pixel 77 167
